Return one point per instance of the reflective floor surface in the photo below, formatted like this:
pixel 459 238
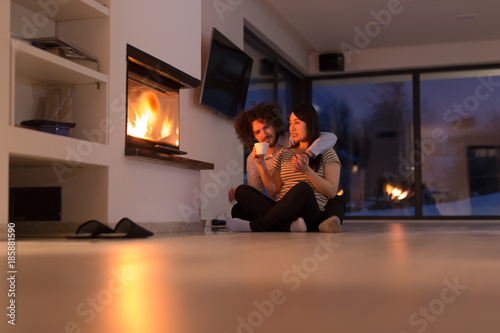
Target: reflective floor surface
pixel 373 277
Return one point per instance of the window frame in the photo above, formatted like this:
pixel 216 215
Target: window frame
pixel 280 66
pixel 416 74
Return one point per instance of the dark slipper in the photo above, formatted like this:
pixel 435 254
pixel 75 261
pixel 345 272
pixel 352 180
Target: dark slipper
pixel 91 229
pixel 126 228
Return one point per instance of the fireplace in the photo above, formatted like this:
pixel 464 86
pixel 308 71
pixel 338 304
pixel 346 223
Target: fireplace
pixel 153 111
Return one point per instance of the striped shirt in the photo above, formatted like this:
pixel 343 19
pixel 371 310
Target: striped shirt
pixel 289 177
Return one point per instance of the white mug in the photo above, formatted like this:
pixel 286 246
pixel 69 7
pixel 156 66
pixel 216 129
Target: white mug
pixel 261 148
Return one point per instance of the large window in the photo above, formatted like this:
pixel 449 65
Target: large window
pixel 261 86
pixel 417 143
pixel 273 79
pixel 460 116
pixel 372 118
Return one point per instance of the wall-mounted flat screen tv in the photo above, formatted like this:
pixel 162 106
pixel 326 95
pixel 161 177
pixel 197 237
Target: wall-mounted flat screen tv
pixel 227 76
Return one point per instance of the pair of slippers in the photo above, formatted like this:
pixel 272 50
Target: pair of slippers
pixel 125 228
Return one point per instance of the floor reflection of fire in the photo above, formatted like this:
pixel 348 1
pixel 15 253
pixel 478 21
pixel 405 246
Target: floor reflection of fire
pixel 151 118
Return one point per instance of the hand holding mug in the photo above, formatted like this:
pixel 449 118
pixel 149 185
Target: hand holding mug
pixel 257 158
pixel 261 148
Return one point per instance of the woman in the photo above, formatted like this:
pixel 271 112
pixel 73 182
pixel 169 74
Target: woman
pixel 302 187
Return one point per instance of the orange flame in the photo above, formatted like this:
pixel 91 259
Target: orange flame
pixel 395 192
pixel 147 123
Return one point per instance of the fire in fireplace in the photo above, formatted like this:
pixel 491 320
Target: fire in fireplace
pixel 153 112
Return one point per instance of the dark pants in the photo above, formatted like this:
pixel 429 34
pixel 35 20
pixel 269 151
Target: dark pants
pixel 335 207
pixel 250 203
pixel 255 204
pixel 266 214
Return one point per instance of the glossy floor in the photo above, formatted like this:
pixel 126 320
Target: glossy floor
pixel 372 277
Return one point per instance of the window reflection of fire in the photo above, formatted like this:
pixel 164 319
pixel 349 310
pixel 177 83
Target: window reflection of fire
pixel 395 192
pixel 152 116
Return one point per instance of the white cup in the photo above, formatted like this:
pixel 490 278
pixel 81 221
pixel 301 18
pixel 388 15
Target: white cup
pixel 261 148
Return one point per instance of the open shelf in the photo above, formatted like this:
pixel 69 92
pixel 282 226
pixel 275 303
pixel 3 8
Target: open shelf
pixel 78 163
pixel 73 10
pixel 32 65
pixel 38 65
pixel 25 141
pixel 84 186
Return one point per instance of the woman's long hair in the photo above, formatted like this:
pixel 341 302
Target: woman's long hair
pixel 307 113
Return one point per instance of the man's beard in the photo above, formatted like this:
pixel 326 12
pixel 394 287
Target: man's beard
pixel 272 141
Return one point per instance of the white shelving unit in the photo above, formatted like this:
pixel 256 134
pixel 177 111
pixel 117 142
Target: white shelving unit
pixel 73 10
pixel 79 163
pixel 38 65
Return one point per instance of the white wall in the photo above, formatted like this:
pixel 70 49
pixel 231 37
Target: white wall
pixel 170 31
pixel 431 55
pixel 178 32
pixel 217 140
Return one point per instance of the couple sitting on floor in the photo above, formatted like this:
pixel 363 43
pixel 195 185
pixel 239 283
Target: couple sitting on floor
pixel 304 176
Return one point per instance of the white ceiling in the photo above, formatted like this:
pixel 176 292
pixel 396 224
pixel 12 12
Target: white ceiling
pixel 325 24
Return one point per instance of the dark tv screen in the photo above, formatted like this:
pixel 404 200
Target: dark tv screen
pixel 227 76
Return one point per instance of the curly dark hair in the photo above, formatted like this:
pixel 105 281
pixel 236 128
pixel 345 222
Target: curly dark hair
pixel 266 113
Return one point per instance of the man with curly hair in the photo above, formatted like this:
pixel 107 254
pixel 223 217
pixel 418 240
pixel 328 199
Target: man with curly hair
pixel 264 123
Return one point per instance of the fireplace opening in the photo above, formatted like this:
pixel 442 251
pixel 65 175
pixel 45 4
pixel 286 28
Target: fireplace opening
pixel 152 111
pixel 153 108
